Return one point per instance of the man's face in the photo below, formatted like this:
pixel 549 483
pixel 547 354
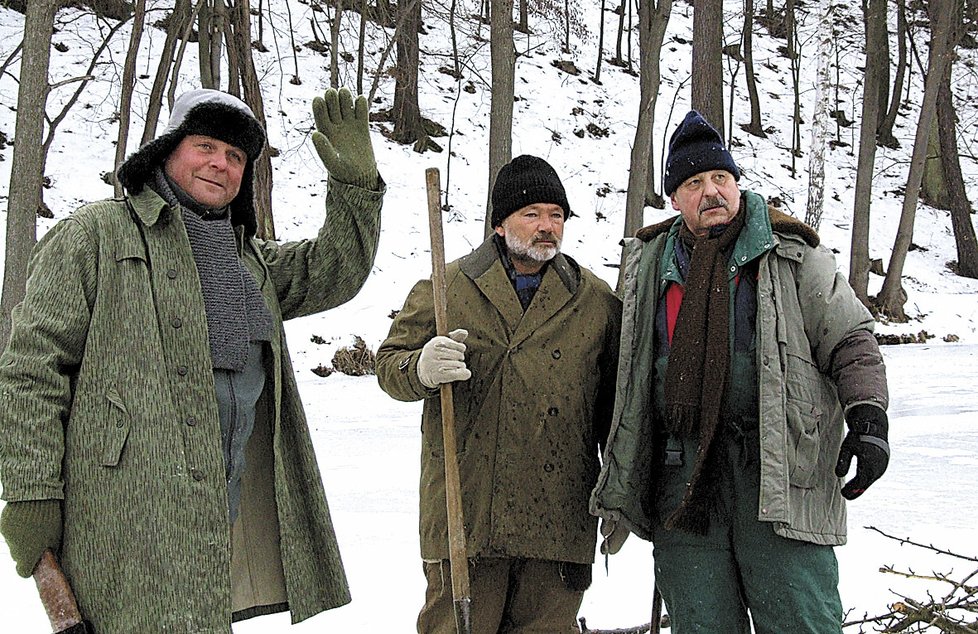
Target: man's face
pixel 208 169
pixel 706 200
pixel 533 235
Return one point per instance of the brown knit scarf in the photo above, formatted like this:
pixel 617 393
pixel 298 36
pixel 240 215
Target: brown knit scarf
pixel 698 363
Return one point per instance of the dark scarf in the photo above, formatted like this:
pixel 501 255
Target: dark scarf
pixel 699 359
pixel 236 310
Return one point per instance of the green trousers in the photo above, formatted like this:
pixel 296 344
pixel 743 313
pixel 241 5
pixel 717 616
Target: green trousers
pixel 741 571
pixel 511 596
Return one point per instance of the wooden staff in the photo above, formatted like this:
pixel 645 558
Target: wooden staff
pixel 457 557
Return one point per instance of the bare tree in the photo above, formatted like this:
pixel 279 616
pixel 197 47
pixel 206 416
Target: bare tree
pixel 27 168
pixel 241 41
pixel 125 96
pixel 859 260
pixel 597 65
pixel 653 17
pixel 334 49
pixel 178 22
pixel 892 296
pixel 884 134
pixel 947 126
pixel 816 164
pixel 503 57
pixel 213 16
pixel 707 84
pixel 755 126
pixel 406 113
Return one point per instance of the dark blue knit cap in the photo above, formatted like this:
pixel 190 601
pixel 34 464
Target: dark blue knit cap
pixel 695 147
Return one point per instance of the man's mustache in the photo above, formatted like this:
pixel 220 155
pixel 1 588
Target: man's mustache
pixel 712 202
pixel 545 236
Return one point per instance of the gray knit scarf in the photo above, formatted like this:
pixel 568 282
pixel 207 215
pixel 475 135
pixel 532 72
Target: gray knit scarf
pixel 236 310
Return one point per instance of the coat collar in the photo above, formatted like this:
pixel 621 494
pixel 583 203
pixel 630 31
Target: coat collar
pixel 148 206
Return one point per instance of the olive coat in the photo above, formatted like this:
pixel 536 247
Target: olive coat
pixel 529 421
pixel 806 311
pixel 107 402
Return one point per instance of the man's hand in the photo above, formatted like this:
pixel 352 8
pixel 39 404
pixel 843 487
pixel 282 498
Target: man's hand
pixel 866 441
pixel 29 528
pixel 342 138
pixel 613 536
pixel 442 360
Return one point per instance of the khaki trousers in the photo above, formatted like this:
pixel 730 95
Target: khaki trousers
pixel 509 596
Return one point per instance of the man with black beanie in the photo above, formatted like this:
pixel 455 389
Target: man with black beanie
pixel 151 431
pixel 744 357
pixel 531 354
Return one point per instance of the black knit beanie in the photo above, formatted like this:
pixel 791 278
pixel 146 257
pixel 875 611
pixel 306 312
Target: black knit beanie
pixel 526 180
pixel 210 113
pixel 695 147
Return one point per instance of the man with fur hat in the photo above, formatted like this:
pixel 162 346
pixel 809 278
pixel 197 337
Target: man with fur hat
pixel 744 355
pixel 151 430
pixel 532 354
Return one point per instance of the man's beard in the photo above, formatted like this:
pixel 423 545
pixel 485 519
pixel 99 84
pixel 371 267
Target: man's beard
pixel 530 250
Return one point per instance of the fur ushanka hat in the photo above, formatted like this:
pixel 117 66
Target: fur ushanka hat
pixel 211 113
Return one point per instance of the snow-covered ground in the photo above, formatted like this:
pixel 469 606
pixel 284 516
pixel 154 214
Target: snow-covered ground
pixel 369 451
pixel 368 444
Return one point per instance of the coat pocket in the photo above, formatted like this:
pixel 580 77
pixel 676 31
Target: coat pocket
pixel 116 431
pixel 803 444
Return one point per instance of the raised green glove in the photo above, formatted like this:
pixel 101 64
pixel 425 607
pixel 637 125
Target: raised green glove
pixel 31 527
pixel 342 138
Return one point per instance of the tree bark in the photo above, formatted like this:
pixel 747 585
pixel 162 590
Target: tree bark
pixel 174 31
pixel 892 296
pixel 597 65
pixel 334 48
pixel 27 167
pixel 707 75
pixel 210 31
pixel 503 58
pixel 653 18
pixel 859 245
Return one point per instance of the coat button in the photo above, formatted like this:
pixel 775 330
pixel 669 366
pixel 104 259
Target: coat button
pixel 548 467
pixel 172 274
pixel 555 354
pixel 197 474
pixel 176 322
pixel 120 423
pixel 553 411
pixel 182 370
pixel 191 421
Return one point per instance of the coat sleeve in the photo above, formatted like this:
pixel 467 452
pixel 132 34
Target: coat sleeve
pixel 608 367
pixel 396 362
pixel 840 330
pixel 47 341
pixel 314 275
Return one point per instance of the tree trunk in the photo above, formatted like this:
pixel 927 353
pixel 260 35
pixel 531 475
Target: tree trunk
pixel 597 65
pixel 859 246
pixel 794 58
pixel 884 135
pixel 178 23
pixel 210 31
pixel 816 163
pixel 253 97
pixel 960 206
pixel 707 75
pixel 653 18
pixel 125 98
pixel 334 48
pixel 503 58
pixel 362 44
pixel 933 188
pixel 892 297
pixel 755 126
pixel 881 49
pixel 406 114
pixel 27 167
pixel 524 26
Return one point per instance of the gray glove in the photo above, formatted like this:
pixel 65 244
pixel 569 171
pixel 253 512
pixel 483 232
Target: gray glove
pixel 342 138
pixel 613 536
pixel 442 360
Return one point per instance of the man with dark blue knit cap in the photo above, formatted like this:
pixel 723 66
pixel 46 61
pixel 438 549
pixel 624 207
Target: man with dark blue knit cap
pixel 744 357
pixel 532 359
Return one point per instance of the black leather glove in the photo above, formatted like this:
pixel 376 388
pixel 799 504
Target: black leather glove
pixel 866 441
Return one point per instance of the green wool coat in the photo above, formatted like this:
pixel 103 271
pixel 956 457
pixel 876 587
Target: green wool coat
pixel 805 309
pixel 529 421
pixel 107 402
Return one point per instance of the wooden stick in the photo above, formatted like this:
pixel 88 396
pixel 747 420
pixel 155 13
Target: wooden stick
pixel 457 556
pixel 56 595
